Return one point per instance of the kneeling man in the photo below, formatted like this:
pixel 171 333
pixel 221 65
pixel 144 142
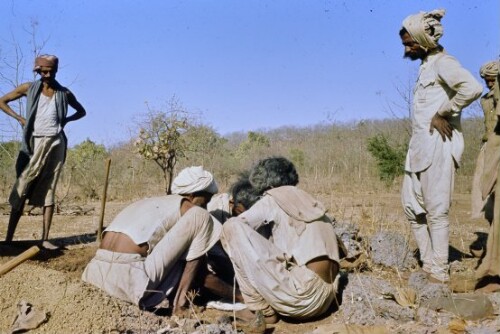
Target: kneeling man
pixel 158 243
pixel 294 272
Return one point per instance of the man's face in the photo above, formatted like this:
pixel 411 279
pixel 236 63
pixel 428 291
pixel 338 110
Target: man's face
pixel 237 209
pixel 490 81
pixel 201 199
pixel 47 73
pixel 412 48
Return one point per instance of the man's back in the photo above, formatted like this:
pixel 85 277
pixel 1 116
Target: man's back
pixel 147 220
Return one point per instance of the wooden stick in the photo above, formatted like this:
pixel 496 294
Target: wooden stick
pixel 103 200
pixel 11 264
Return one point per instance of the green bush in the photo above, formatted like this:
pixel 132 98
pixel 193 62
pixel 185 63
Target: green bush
pixel 390 160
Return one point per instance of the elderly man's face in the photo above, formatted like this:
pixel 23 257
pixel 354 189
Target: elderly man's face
pixel 412 48
pixel 490 81
pixel 47 73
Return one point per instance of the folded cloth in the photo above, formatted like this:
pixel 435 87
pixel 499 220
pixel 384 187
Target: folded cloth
pixel 225 305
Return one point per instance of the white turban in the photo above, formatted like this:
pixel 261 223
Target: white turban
pixel 489 69
pixel 194 179
pixel 425 28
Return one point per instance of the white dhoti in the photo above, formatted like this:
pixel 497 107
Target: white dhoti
pixel 39 178
pixel 268 281
pixel 146 281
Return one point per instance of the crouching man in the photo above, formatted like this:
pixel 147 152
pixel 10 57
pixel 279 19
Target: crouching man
pixel 157 244
pixel 294 273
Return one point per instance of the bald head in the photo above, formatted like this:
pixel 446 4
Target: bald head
pixel 46 61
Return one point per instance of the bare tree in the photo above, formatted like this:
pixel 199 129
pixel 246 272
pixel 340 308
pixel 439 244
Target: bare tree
pixel 161 138
pixel 14 66
pixel 401 109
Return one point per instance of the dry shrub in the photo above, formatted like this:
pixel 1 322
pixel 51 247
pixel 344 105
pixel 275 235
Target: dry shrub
pixel 331 159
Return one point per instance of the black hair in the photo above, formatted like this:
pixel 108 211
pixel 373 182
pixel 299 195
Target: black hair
pixel 273 172
pixel 243 193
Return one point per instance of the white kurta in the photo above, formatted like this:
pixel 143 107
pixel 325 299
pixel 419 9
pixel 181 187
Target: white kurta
pixel 272 273
pixel 146 281
pixel 445 87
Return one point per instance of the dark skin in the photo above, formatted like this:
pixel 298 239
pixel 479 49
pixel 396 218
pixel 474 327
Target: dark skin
pixel 47 75
pixel 414 51
pixel 489 80
pixel 119 242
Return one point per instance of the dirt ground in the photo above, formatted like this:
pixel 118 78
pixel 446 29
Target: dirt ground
pixel 51 281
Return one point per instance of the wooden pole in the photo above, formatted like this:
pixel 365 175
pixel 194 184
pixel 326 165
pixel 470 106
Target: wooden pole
pixel 103 200
pixel 11 264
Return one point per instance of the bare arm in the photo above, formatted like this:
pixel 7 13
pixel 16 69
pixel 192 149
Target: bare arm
pixel 80 111
pixel 16 94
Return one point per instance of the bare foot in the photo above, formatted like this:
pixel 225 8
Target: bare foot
pixel 187 311
pixel 477 252
pixel 492 287
pixel 435 280
pixel 247 315
pixel 256 325
pixel 272 319
pixel 182 312
pixel 48 245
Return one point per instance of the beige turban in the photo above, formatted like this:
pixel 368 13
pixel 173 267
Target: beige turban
pixel 489 69
pixel 425 28
pixel 46 61
pixel 194 179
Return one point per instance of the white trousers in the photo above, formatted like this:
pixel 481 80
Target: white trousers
pixel 426 199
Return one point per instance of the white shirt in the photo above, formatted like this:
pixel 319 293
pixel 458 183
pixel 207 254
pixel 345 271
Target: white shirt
pixel 46 122
pixel 443 86
pixel 301 240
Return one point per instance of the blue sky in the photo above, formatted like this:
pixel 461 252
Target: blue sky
pixel 241 65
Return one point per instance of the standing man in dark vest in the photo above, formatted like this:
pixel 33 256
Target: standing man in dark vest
pixel 44 144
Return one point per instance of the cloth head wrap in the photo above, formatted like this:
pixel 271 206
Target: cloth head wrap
pixel 489 69
pixel 194 179
pixel 46 61
pixel 425 28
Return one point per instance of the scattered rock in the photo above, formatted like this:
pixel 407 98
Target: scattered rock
pixel 363 302
pixel 350 329
pixel 467 306
pixel 391 250
pixel 426 290
pixel 348 234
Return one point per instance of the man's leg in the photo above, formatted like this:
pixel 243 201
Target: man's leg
pixel 221 288
pixel 420 230
pixel 15 215
pixel 437 187
pixel 412 200
pixel 48 213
